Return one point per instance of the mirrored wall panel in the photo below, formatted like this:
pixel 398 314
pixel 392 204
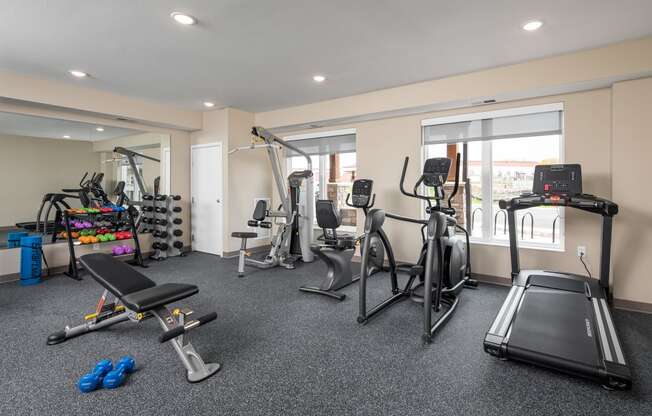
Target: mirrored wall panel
pixel 48 165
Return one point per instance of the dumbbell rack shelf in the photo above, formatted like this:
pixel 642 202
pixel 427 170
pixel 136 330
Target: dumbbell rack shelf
pixel 116 217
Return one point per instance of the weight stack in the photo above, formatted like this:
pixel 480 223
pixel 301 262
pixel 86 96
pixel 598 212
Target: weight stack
pixel 175 245
pixel 159 227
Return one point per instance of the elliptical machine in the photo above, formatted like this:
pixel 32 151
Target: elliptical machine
pixel 443 267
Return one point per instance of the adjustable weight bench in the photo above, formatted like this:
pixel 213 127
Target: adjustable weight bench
pixel 138 298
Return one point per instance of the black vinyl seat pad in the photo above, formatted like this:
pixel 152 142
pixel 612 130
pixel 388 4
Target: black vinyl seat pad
pixel 241 234
pixel 156 296
pixel 135 290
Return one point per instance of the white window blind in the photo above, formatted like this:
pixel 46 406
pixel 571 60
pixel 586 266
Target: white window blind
pixel 492 128
pixel 325 145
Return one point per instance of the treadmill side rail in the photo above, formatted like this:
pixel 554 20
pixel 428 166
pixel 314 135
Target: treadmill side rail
pixel 494 341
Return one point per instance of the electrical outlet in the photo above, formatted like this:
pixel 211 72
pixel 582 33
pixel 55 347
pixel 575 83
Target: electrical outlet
pixel 581 251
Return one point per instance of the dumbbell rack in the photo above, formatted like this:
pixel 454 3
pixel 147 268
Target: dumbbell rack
pixel 147 214
pixel 160 211
pixel 117 219
pixel 175 247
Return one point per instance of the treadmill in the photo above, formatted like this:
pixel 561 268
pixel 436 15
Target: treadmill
pixel 557 320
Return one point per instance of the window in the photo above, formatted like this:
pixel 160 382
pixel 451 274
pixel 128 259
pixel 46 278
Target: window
pixel 334 168
pixel 499 151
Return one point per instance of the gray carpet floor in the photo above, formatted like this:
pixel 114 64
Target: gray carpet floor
pixel 285 352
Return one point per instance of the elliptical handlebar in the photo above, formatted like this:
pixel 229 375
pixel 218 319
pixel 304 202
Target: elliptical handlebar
pixel 81 182
pixel 414 193
pixel 457 180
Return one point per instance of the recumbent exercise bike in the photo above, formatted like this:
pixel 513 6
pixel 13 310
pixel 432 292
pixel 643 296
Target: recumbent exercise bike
pixel 338 249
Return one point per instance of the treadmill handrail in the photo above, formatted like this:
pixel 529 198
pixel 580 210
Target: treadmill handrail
pixel 584 202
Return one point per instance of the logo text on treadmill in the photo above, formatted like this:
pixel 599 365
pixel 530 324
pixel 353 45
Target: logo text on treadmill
pixel 588 328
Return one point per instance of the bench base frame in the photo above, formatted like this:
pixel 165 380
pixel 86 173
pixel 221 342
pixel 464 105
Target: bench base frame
pixel 196 369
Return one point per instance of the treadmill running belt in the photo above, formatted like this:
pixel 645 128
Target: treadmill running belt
pixel 553 325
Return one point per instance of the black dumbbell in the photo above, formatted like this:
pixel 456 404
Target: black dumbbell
pixel 176 209
pixel 147 208
pixel 160 246
pixel 176 197
pixel 177 221
pixel 148 197
pixel 160 234
pixel 160 221
pixel 145 230
pixel 177 233
pixel 161 210
pixel 161 197
pixel 177 245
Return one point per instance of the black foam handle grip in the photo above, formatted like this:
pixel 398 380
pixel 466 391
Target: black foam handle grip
pixel 180 330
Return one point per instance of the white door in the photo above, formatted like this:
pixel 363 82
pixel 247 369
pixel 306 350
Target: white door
pixel 206 202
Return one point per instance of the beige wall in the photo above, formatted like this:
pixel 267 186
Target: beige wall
pixel 381 147
pixel 249 177
pixel 594 125
pixel 31 167
pixel 632 150
pixel 540 77
pixel 246 173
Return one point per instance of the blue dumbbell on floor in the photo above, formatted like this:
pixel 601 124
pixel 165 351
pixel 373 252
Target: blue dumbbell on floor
pixel 93 380
pixel 104 374
pixel 117 376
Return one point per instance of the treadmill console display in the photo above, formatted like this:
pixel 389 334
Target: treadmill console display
pixel 361 192
pixel 557 180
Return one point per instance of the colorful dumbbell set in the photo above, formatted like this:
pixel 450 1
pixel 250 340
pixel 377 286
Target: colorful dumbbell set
pixel 106 375
pixel 92 236
pixel 122 249
pixel 101 210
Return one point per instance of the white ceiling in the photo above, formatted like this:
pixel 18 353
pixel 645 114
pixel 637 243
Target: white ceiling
pixel 51 128
pixel 259 55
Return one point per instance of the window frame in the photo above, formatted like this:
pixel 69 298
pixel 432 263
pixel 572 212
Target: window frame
pixel 487 171
pixel 323 178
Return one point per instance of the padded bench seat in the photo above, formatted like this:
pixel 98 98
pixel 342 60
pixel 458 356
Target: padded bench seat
pixel 134 289
pixel 148 299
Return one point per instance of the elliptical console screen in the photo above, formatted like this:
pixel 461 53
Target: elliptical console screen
pixel 435 171
pixel 557 179
pixel 361 192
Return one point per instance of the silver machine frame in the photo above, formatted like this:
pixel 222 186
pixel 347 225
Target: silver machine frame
pixel 131 159
pixel 284 217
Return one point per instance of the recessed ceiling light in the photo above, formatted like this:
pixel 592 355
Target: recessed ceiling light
pixel 319 78
pixel 532 26
pixel 184 19
pixel 65 136
pixel 99 128
pixel 77 73
pixel 209 104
